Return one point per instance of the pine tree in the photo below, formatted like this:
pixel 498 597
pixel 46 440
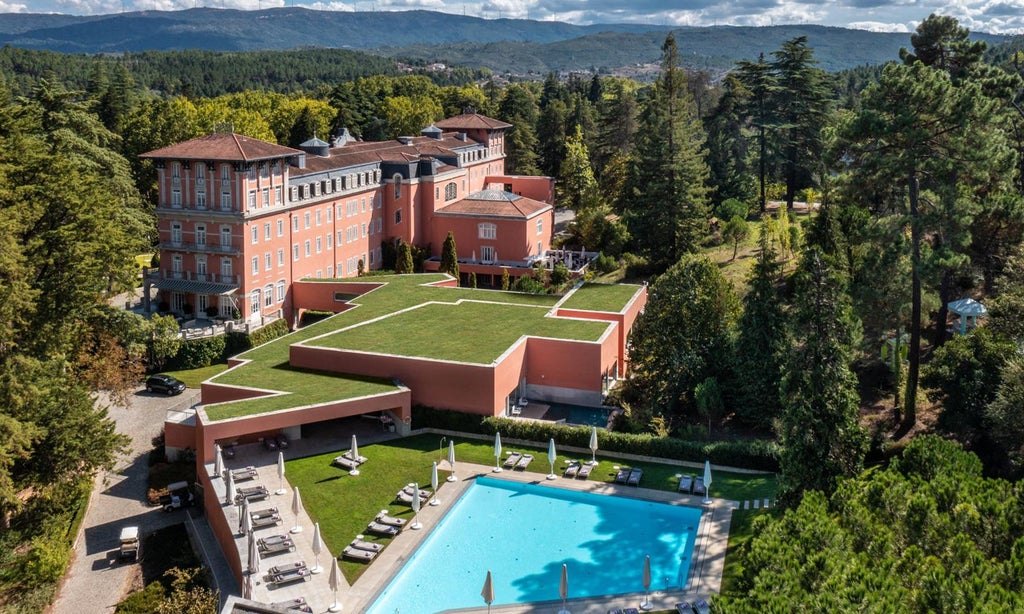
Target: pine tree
pixel 519 109
pixel 762 340
pixel 820 436
pixel 666 195
pixel 450 257
pixel 728 145
pixel 576 186
pixel 759 79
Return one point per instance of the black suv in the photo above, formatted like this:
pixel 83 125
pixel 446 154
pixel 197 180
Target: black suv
pixel 165 383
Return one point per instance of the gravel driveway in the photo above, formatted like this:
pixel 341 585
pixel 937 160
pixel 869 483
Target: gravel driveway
pixel 94 582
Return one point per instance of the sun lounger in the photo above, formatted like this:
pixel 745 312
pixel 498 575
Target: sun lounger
pixel 585 470
pixel 277 548
pixel 572 469
pixel 512 459
pixel 383 518
pixel 252 493
pixel 245 473
pixel 293 605
pixel 630 611
pixel 365 545
pixel 615 611
pixel 684 608
pixel 424 493
pixel 698 487
pixel 263 513
pixel 292 575
pixel 358 555
pixel 685 484
pixel 524 462
pixel 702 607
pixel 286 567
pixel 266 521
pixel 386 530
pixel 359 460
pixel 622 475
pixel 272 539
pixel 634 477
pixel 345 463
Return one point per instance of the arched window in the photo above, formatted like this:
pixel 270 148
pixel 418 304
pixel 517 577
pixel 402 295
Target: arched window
pixel 450 191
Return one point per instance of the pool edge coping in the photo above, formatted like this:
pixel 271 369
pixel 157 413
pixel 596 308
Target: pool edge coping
pixel 707 562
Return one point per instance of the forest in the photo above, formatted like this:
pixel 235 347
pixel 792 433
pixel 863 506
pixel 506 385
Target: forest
pixel 900 466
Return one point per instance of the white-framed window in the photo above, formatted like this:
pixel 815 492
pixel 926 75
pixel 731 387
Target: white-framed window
pixel 176 170
pixel 252 199
pixel 200 173
pixel 225 174
pixel 486 253
pixel 540 226
pixel 330 214
pixel 280 228
pixel 227 308
pixel 364 229
pixel 254 233
pixel 280 291
pixel 450 191
pixel 319 273
pixel 341 240
pixel 398 216
pixel 280 257
pixel 201 199
pixel 226 271
pixel 305 219
pixel 254 302
pixel 319 219
pixel 202 300
pixel 176 199
pixel 295 251
pixel 488 231
pixel 176 233
pixel 225 236
pixel 330 271
pixel 295 222
pixel 200 235
pixel 330 241
pixel 268 296
pixel 266 231
pixel 268 261
pixel 255 265
pixel 319 245
pixel 308 248
pixel 201 267
pixel 278 197
pixel 225 201
pixel 362 204
pixel 266 197
pixel 176 266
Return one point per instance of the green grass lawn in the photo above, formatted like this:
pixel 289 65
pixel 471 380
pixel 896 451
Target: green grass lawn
pixel 194 377
pixel 439 331
pixel 269 362
pixel 343 505
pixel 601 297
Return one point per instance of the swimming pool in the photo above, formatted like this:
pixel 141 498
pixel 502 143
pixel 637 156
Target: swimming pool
pixel 524 532
pixel 578 414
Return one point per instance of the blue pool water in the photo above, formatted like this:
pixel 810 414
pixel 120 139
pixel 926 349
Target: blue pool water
pixel 524 532
pixel 578 414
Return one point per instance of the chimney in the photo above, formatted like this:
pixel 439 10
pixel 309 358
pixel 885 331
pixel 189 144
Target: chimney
pixel 405 140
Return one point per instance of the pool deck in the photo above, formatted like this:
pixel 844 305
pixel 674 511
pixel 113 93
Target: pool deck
pixel 706 567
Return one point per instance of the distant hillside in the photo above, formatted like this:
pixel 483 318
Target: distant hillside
pixel 503 45
pixel 280 28
pixel 714 48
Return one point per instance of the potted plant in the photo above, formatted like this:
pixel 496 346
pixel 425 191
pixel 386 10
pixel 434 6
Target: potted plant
pixel 211 312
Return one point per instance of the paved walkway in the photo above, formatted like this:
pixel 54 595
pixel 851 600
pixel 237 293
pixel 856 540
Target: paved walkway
pixel 95 582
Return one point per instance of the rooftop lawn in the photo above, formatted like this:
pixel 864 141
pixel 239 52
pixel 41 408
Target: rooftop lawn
pixel 344 505
pixel 303 387
pixel 268 366
pixel 466 332
pixel 601 297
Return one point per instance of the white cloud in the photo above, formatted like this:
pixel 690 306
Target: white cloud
pixel 878 26
pixel 12 7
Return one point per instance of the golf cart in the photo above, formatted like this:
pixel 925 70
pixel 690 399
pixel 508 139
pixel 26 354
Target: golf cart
pixel 178 496
pixel 131 546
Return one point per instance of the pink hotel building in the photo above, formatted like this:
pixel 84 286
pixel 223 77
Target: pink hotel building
pixel 241 219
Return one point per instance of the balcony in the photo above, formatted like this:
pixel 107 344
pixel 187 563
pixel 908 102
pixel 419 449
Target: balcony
pixel 208 278
pixel 204 248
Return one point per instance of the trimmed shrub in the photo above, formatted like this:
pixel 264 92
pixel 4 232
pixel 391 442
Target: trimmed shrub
pixel 198 353
pixel 277 328
pixel 606 264
pixel 750 454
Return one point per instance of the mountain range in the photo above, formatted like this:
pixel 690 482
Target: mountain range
pixel 503 45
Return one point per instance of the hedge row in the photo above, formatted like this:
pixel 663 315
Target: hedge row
pixel 203 352
pixel 749 454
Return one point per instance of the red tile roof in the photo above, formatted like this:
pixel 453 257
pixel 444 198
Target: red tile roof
pixel 495 203
pixel 222 146
pixel 471 121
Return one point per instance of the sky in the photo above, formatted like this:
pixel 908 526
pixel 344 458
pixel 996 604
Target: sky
pixel 995 16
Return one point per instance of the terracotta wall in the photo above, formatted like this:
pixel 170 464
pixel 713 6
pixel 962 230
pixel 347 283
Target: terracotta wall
pixel 319 295
pixel 514 240
pixel 216 516
pixel 537 188
pixel 566 364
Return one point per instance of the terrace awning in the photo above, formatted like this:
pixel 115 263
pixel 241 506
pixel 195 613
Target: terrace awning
pixel 195 287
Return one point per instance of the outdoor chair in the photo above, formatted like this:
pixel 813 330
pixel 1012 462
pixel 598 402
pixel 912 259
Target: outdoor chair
pixel 634 477
pixel 272 539
pixel 386 530
pixel 685 484
pixel 698 487
pixel 365 545
pixel 383 518
pixel 572 469
pixel 512 459
pixel 524 462
pixel 359 555
pixel 622 476
pixel 585 470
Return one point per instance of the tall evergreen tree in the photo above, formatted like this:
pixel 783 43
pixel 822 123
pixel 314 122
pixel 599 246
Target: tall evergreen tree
pixel 759 79
pixel 551 137
pixel 729 145
pixel 820 436
pixel 403 262
pixel 519 109
pixel 666 195
pixel 576 186
pixel 762 340
pixel 450 256
pixel 802 110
